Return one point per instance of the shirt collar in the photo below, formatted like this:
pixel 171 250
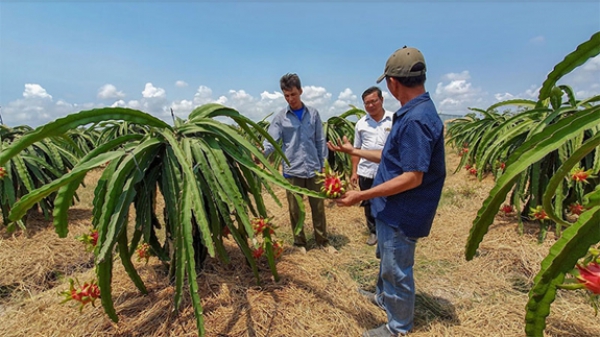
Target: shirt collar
pixel 411 104
pixel 289 108
pixel 386 115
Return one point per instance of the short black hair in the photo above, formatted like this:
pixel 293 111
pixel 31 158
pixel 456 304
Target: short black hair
pixel 290 81
pixel 372 90
pixel 413 81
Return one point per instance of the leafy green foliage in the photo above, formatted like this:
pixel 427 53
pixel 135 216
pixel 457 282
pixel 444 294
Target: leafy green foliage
pixel 542 145
pixel 37 164
pixel 335 128
pixel 204 170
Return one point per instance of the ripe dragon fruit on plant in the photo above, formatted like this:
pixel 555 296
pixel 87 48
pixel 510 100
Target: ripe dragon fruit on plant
pixel 277 249
pixel 579 175
pixel 144 252
pixel 2 172
pixel 538 213
pixel 84 294
pixel 90 240
pixel 507 209
pixel 260 250
pixel 576 208
pixel 260 225
pixel 333 185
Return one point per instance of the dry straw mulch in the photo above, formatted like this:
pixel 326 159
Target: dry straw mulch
pixel 316 295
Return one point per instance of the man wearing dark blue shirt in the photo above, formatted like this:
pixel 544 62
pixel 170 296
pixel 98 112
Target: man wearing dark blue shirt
pixel 406 190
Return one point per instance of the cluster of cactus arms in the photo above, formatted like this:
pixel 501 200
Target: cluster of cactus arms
pixel 203 169
pixel 37 164
pixel 546 147
pixel 335 128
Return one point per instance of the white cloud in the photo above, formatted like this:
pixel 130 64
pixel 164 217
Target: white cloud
pixel 240 96
pixel 38 107
pixel 222 100
pixel 592 64
pixel 109 91
pixel 347 94
pixel 319 98
pixel 35 91
pixel 253 108
pixel 271 96
pixel 455 94
pixel 120 103
pixel 181 84
pixel 390 103
pixel 457 76
pixel 182 108
pixel 151 91
pixel 584 79
pixel 531 93
pixel 203 95
pixel 457 87
pixel 503 96
pixel 135 104
pixel 343 102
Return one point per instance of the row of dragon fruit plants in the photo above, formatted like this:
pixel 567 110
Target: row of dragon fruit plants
pixel 544 156
pixel 211 175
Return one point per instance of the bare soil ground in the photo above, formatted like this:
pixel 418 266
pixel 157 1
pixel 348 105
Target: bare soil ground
pixel 316 295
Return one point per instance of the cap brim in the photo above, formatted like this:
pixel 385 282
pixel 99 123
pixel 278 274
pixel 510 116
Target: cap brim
pixel 381 78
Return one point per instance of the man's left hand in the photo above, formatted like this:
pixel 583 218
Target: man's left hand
pixel 349 198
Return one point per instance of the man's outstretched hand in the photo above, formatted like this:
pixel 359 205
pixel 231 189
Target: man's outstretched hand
pixel 343 146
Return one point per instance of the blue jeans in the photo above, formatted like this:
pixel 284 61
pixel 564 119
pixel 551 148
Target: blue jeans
pixel 396 284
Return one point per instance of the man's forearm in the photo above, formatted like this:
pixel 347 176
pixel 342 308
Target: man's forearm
pixel 370 155
pixel 355 160
pixel 399 184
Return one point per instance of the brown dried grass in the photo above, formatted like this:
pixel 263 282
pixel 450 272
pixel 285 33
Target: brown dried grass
pixel 316 295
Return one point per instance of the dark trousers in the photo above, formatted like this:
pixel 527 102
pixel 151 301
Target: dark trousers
pixel 317 209
pixel 364 184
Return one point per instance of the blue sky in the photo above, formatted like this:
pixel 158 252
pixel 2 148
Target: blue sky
pixel 58 58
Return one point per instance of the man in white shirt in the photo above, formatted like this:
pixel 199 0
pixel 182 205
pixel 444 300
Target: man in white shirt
pixel 370 133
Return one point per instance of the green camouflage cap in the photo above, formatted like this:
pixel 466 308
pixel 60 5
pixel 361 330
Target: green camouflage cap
pixel 401 62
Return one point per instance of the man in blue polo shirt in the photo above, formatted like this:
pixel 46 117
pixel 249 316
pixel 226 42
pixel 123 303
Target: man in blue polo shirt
pixel 406 190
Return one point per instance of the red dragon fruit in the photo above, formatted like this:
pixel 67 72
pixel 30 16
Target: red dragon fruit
pixel 2 172
pixel 579 175
pixel 333 185
pixel 277 249
pixel 507 209
pixel 144 252
pixel 576 208
pixel 84 294
pixel 261 225
pixel 258 252
pixel 90 240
